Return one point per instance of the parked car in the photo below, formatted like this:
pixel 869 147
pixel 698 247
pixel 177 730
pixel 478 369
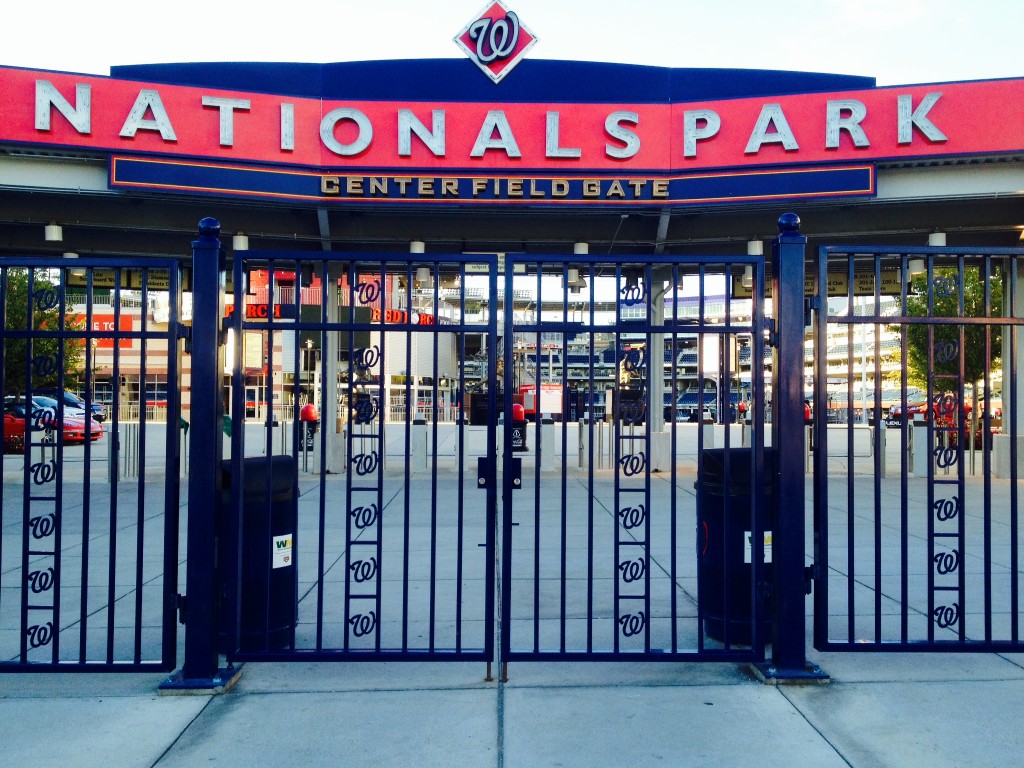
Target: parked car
pixel 74 430
pixel 896 416
pixel 99 411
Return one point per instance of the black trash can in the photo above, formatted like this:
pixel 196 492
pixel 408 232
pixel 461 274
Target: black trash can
pixel 269 576
pixel 724 543
pixel 478 414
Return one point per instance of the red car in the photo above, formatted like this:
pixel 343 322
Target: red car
pixel 73 429
pixel 939 409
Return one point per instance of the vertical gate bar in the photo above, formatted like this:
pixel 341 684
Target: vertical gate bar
pixel 83 606
pixel 460 491
pixel 566 409
pixel 26 496
pixel 820 457
pixel 851 504
pixel 929 445
pixel 352 278
pixel 963 431
pixel 140 458
pixel 617 410
pixel 62 330
pixel 328 391
pixel 172 488
pixel 878 424
pixel 435 411
pixel 538 389
pixel 506 444
pixel 653 411
pixel 410 410
pixel 905 287
pixel 234 520
pixel 328 314
pixel 382 397
pixel 493 601
pixel 433 487
pixel 701 314
pixel 116 474
pixel 204 487
pixel 788 430
pixel 591 422
pixel 986 421
pixel 1011 414
pixel 673 468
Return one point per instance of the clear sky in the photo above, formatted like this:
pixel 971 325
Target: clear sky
pixel 898 42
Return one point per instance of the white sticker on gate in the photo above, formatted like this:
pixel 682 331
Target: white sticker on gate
pixel 282 551
pixel 748 549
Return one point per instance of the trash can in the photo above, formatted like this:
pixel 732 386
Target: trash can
pixel 724 545
pixel 518 428
pixel 478 416
pixel 269 586
pixel 310 420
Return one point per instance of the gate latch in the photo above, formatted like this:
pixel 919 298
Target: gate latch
pixel 484 471
pixel 516 468
pixel 180 604
pixel 810 574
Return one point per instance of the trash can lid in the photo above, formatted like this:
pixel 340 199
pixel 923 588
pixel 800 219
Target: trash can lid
pixel 308 413
pixel 518 412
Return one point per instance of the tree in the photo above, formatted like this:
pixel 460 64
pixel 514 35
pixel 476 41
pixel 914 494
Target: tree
pixel 936 351
pixel 50 355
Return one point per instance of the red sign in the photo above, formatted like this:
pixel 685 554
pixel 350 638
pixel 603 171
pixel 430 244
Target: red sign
pixel 128 117
pixel 254 311
pixel 401 316
pixel 105 324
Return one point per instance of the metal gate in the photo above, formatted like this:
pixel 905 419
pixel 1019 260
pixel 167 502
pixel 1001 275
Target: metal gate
pixel 916 448
pixel 89 510
pixel 374 509
pixel 640 480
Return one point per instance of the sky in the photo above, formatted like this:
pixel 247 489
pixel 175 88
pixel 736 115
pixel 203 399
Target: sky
pixel 898 42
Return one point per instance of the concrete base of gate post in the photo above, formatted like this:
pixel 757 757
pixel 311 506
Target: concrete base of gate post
pixel 418 445
pixel 1001 447
pixel 340 437
pixel 547 444
pixel 661 452
pixel 921 455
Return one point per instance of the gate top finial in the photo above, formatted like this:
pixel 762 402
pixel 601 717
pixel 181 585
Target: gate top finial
pixel 209 227
pixel 789 222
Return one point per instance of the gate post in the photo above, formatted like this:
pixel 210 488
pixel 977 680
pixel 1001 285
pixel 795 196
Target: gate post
pixel 200 670
pixel 788 662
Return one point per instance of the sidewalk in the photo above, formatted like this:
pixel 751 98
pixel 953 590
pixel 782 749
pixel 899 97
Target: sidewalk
pixel 880 710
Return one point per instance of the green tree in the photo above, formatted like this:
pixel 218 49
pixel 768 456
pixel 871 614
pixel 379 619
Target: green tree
pixel 49 354
pixel 937 351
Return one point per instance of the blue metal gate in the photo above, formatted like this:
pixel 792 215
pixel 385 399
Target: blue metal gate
pixel 916 441
pixel 90 500
pixel 634 515
pixel 360 516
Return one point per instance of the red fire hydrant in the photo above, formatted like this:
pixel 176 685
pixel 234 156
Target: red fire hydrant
pixel 310 419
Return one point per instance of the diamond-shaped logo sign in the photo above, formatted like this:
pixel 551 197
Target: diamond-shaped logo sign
pixel 496 40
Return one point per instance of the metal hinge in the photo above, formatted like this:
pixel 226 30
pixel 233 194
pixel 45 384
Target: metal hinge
pixel 185 332
pixel 811 304
pixel 773 336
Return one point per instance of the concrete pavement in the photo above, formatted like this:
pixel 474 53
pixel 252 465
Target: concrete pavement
pixel 880 710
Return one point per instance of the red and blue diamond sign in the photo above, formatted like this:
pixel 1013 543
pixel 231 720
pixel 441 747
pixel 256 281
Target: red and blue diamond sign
pixel 495 40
